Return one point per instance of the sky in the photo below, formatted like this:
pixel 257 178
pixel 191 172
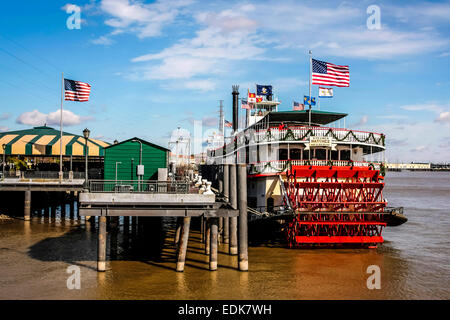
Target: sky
pixel 158 65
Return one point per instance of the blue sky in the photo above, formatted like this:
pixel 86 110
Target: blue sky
pixel 154 66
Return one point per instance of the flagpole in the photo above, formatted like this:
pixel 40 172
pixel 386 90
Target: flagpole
pixel 60 129
pixel 310 76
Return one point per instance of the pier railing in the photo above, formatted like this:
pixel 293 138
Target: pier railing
pixel 134 186
pixel 281 165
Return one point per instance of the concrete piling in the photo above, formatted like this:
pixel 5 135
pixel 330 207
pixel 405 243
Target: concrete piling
pixel 226 193
pixel 183 244
pixel 176 239
pixel 233 249
pixel 213 244
pixel 63 206
pixel 207 236
pixel 101 254
pixel 243 227
pixel 71 205
pixel 27 205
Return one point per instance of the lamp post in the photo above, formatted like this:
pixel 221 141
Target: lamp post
pixel 86 133
pixel 4 161
pixel 140 163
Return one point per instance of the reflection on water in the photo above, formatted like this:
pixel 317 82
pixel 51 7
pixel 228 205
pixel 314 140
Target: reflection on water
pixel 413 260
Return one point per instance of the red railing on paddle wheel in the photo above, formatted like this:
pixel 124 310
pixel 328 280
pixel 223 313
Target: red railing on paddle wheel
pixel 335 205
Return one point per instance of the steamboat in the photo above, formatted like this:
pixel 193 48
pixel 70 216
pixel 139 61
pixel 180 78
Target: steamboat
pixel 322 181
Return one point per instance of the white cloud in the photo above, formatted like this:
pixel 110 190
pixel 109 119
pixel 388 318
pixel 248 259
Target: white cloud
pixel 444 117
pixel 5 116
pixel 103 40
pixel 427 106
pixel 3 129
pixel 37 118
pixel 361 121
pixel 145 20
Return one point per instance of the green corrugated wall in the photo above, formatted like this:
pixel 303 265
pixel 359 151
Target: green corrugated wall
pixel 152 158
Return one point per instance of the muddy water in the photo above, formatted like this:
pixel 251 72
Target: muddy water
pixel 414 260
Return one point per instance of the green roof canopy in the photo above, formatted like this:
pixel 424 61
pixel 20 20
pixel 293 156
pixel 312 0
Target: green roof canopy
pixel 317 117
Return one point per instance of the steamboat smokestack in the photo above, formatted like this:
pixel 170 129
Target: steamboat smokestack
pixel 235 94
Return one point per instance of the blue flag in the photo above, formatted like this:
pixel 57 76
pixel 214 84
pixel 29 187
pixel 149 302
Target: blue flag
pixel 307 101
pixel 263 90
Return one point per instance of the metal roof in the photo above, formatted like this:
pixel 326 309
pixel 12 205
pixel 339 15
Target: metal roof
pixel 143 141
pixel 45 141
pixel 317 117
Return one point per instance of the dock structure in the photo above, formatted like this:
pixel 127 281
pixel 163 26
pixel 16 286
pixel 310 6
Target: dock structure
pixel 105 201
pixel 106 198
pixel 52 194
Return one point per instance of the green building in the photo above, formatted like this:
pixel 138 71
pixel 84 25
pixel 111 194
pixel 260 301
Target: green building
pixel 123 159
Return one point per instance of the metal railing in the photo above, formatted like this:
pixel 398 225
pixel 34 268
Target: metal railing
pixel 281 165
pixel 302 133
pixel 134 186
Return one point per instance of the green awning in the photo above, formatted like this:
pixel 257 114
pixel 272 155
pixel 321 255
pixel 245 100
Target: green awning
pixel 317 117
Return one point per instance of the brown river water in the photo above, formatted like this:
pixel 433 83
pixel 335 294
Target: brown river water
pixel 414 260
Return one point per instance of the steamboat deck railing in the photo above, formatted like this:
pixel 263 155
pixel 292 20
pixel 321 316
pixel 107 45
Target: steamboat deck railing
pixel 277 166
pixel 299 133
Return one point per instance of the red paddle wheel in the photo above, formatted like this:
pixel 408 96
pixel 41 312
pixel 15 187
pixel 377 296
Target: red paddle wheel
pixel 335 205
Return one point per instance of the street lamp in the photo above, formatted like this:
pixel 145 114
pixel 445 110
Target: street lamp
pixel 86 133
pixel 4 161
pixel 140 170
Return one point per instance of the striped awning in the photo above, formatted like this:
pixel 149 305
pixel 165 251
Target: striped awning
pixel 45 141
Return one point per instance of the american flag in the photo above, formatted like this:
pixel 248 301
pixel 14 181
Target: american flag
pixel 330 74
pixel 298 106
pixel 228 124
pixel 76 90
pixel 245 104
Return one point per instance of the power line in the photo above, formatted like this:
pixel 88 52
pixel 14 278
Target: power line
pixel 31 53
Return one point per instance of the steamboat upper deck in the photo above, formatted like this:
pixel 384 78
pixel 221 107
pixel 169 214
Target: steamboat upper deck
pixel 283 138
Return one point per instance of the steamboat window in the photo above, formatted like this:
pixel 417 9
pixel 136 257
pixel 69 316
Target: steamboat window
pixel 295 154
pixel 334 155
pixel 270 203
pixel 305 154
pixel 345 154
pixel 282 154
pixel 320 154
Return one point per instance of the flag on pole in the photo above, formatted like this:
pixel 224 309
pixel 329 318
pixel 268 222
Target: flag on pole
pixel 308 101
pixel 228 124
pixel 251 97
pixel 259 99
pixel 263 90
pixel 245 105
pixel 298 106
pixel 76 90
pixel 325 92
pixel 330 74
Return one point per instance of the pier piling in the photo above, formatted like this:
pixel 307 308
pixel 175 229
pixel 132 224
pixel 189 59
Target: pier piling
pixel 233 250
pixel 208 236
pixel 226 193
pixel 101 254
pixel 71 205
pixel 183 244
pixel 213 244
pixel 27 205
pixel 243 227
pixel 176 239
